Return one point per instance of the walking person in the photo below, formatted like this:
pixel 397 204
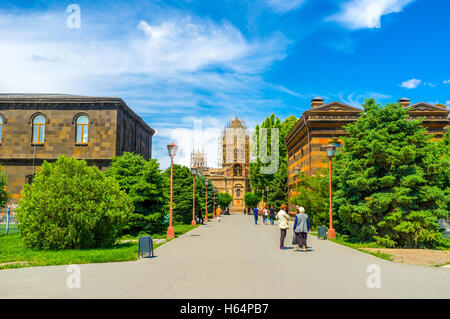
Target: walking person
pixel 272 214
pixel 283 223
pixel 301 228
pixel 255 214
pixel 218 213
pixel 265 214
pixel 228 210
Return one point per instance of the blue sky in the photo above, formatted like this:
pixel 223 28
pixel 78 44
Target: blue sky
pixel 182 63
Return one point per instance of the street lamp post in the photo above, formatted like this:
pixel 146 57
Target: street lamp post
pixel 214 203
pixel 206 207
pixel 194 172
pixel 330 149
pixel 267 192
pixel 172 148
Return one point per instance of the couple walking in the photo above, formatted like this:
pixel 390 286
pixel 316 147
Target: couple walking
pixel 301 226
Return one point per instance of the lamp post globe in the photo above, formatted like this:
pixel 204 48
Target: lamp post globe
pixel 330 150
pixel 172 149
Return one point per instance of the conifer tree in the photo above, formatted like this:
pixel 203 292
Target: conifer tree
pixel 388 180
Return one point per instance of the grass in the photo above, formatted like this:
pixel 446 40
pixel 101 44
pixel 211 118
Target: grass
pixel 359 246
pixel 13 229
pixel 12 250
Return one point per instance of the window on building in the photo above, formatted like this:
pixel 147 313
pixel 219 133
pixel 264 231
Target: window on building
pixel 39 129
pixel 238 193
pixel 82 129
pixel 29 179
pixel 237 170
pixel 1 127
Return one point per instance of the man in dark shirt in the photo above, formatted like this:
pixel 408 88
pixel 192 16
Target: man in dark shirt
pixel 272 214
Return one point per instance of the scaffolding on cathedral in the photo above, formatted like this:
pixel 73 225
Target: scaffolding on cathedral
pixel 233 140
pixel 198 159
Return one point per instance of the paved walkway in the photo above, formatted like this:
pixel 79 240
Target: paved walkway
pixel 234 259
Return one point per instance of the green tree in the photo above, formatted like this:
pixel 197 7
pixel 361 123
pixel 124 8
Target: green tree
pixel 251 200
pixel 277 182
pixel 224 200
pixel 3 187
pixel 313 195
pixel 182 194
pixel 147 187
pixel 387 185
pixel 72 205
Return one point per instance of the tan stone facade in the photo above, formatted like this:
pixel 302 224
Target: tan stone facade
pixel 112 129
pixel 323 124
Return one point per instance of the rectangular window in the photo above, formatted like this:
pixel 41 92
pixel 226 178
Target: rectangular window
pixel 82 133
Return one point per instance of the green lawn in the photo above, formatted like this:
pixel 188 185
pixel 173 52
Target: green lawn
pixel 359 246
pixel 12 250
pixel 13 229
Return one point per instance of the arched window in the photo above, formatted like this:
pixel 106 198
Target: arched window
pixel 237 170
pixel 1 127
pixel 238 193
pixel 39 129
pixel 82 129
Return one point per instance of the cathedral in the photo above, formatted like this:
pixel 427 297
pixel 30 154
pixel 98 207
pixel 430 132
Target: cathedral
pixel 232 175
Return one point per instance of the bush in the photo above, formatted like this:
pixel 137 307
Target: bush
pixel 3 183
pixel 147 186
pixel 251 200
pixel 224 200
pixel 72 205
pixel 313 195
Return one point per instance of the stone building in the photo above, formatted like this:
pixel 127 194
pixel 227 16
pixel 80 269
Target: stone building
pixel 233 174
pixel 323 124
pixel 38 127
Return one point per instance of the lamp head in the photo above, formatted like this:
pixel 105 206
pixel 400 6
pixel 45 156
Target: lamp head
pixel 194 171
pixel 172 148
pixel 330 149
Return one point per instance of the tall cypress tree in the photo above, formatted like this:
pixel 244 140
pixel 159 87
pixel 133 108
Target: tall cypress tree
pixel 389 185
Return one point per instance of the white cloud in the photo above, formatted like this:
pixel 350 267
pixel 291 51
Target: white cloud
pixel 359 14
pixel 39 55
pixel 357 100
pixel 171 67
pixel 283 6
pixel 411 84
pixel 447 103
pixel 446 81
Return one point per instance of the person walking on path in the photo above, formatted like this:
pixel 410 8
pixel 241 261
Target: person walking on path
pixel 228 210
pixel 218 213
pixel 297 211
pixel 283 223
pixel 255 214
pixel 272 214
pixel 301 228
pixel 265 214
